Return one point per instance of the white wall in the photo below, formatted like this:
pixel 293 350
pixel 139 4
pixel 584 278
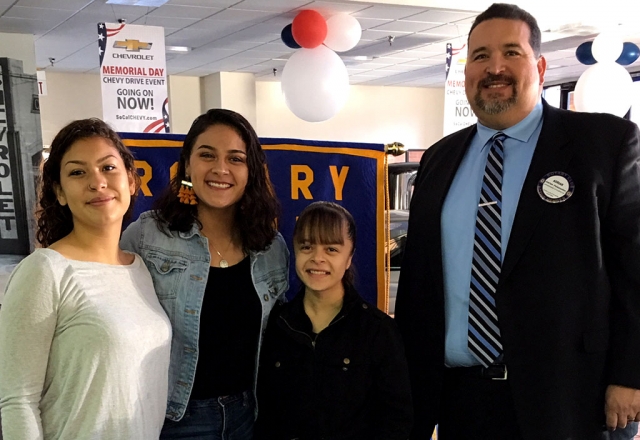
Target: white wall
pixel 230 90
pixel 19 47
pixel 69 96
pixel 413 116
pixel 211 91
pixel 76 96
pixel 184 102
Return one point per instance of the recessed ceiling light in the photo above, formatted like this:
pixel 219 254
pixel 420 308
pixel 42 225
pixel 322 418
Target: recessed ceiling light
pixel 147 3
pixel 182 49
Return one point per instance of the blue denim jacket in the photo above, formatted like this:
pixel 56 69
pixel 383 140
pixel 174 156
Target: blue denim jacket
pixel 179 266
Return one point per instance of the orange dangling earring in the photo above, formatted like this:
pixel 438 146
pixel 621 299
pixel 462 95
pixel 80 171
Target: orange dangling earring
pixel 186 193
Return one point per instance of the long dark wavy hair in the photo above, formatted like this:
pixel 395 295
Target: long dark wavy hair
pixel 257 209
pixel 323 223
pixel 54 220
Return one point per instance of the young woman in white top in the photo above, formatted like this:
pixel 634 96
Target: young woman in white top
pixel 84 342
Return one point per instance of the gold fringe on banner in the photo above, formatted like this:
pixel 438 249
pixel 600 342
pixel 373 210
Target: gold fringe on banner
pixel 394 149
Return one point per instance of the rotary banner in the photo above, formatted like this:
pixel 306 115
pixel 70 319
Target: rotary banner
pixel 302 172
pixel 133 77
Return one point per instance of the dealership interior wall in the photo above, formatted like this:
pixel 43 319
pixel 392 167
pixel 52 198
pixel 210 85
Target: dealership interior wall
pixel 375 114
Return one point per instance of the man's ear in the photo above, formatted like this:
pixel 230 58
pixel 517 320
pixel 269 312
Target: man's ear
pixel 542 68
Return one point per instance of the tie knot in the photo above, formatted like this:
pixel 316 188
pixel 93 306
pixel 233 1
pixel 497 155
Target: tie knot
pixel 499 136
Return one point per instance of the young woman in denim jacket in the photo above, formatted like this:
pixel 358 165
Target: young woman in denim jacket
pixel 218 265
pixel 332 366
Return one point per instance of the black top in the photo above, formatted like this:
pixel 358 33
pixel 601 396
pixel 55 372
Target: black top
pixel 229 329
pixel 348 382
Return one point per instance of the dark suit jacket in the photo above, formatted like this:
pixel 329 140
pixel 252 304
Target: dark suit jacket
pixel 568 299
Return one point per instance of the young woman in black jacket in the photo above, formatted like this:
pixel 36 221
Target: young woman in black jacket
pixel 332 366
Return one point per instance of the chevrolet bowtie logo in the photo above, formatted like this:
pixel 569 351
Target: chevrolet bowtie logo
pixel 132 45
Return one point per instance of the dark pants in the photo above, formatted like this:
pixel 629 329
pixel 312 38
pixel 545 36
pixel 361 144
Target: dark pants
pixel 623 433
pixel 474 407
pixel 222 418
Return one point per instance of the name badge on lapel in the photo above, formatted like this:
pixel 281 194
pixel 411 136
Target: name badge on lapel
pixel 556 187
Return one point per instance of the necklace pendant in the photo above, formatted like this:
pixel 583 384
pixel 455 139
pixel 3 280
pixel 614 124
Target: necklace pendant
pixel 223 263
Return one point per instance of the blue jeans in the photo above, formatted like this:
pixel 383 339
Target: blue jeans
pixel 221 418
pixel 623 433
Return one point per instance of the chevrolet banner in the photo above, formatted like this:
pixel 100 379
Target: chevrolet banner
pixel 134 78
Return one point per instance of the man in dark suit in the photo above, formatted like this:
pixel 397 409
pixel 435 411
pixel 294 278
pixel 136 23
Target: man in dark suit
pixel 519 295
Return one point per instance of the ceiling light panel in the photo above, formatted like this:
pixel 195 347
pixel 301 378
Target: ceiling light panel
pixel 146 3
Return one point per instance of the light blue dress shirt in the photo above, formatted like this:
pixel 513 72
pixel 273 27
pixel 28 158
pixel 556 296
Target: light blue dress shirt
pixel 459 219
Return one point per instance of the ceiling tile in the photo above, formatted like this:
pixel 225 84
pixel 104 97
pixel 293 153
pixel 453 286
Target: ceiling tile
pixel 245 36
pixel 204 3
pixel 218 27
pixel 327 9
pixel 406 26
pixel 25 26
pixel 37 13
pixel 244 15
pixel 83 59
pixel 98 11
pixel 449 30
pixel 440 16
pixel 170 11
pixel 382 48
pixel 388 12
pixel 67 5
pixel 165 22
pixel 372 34
pixel 273 5
pixel 368 23
pixel 191 37
pixel 426 62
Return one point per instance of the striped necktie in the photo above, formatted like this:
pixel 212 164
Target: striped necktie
pixel 484 332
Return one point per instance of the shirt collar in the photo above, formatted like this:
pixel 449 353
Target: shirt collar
pixel 522 131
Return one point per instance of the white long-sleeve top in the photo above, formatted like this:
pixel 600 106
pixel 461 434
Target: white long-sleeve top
pixel 84 351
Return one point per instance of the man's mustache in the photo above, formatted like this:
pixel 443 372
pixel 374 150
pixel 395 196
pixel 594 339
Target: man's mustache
pixel 491 78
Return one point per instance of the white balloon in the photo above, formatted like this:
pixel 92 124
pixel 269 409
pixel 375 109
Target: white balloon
pixel 315 84
pixel 343 32
pixel 604 88
pixel 607 46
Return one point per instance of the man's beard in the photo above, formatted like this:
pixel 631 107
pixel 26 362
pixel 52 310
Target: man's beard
pixel 496 106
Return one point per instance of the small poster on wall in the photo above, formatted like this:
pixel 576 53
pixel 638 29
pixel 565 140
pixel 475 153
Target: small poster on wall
pixel 457 111
pixel 134 77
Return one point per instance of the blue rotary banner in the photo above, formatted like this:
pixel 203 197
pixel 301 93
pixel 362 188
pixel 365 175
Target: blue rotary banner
pixel 302 172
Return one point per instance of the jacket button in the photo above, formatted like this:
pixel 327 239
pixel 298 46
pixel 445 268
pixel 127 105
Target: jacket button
pixel 347 361
pixel 266 297
pixel 364 306
pixel 345 369
pixel 278 364
pixel 165 267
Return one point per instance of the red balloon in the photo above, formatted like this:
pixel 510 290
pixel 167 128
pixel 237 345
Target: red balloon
pixel 309 29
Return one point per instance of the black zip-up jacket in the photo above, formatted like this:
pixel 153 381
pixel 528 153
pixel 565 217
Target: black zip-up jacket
pixel 349 382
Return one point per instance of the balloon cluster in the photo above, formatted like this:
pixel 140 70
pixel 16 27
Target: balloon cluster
pixel 605 87
pixel 315 81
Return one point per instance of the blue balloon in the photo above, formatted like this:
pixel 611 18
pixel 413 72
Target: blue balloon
pixel 287 37
pixel 630 53
pixel 584 55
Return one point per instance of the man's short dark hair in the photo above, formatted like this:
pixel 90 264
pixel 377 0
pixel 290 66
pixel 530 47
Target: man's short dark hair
pixel 512 12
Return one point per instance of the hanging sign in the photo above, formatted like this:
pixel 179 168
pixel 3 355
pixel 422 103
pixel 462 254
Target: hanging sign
pixel 134 77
